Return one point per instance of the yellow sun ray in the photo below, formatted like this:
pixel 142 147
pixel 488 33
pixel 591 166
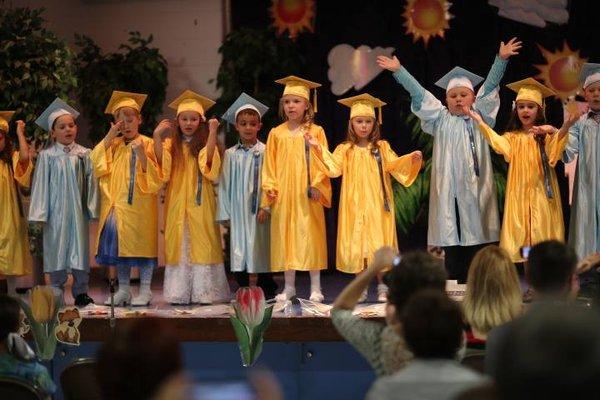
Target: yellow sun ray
pixel 561 71
pixel 294 16
pixel 425 19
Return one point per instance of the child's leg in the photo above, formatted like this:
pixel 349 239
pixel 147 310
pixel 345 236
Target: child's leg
pixel 289 289
pixel 145 295
pixel 123 295
pixel 58 279
pixel 11 285
pixel 315 286
pixel 81 280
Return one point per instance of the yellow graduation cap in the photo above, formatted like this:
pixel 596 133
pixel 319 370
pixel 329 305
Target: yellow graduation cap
pixel 5 117
pixel 363 105
pixel 531 90
pixel 191 101
pixel 120 99
pixel 299 87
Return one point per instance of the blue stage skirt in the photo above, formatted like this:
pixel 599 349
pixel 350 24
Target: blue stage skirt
pixel 108 248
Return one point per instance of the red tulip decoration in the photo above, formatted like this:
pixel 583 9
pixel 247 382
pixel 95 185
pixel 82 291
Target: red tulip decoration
pixel 251 319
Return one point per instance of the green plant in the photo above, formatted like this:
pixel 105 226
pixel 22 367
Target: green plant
pixel 35 66
pixel 252 60
pixel 136 67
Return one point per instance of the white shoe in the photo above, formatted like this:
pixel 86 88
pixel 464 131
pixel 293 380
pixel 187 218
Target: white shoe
pixel 285 295
pixel 143 299
pixel 316 296
pixel 122 298
pixel 382 292
pixel 363 296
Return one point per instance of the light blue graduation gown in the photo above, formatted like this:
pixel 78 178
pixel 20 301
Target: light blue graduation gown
pixel 64 196
pixel 453 178
pixel 239 191
pixel 584 228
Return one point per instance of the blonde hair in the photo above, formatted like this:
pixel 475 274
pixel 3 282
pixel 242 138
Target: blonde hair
pixel 373 138
pixel 309 114
pixel 493 294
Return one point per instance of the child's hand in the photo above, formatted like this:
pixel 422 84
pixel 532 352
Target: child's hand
pixel 272 195
pixel 312 141
pixel 262 216
pixel 570 120
pixel 138 146
pixel 509 49
pixel 213 124
pixel 114 129
pixel 473 114
pixel 21 128
pixel 417 156
pixel 542 130
pixel 391 64
pixel 315 194
pixel 162 129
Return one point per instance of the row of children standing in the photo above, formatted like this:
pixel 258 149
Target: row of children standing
pixel 281 189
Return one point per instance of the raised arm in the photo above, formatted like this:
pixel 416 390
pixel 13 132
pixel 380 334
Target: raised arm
pixel 499 144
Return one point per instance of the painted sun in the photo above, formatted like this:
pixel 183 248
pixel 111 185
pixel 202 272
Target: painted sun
pixel 294 16
pixel 425 19
pixel 561 71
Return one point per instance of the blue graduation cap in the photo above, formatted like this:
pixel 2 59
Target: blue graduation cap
pixel 459 77
pixel 244 102
pixel 56 109
pixel 590 73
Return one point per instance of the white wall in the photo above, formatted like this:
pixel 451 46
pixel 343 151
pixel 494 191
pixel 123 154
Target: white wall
pixel 187 32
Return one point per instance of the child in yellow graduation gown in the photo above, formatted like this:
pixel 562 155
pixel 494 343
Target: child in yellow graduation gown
pixel 366 212
pixel 296 190
pixel 129 179
pixel 191 163
pixel 15 170
pixel 532 207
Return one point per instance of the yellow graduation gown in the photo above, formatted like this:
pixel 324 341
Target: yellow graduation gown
pixel 137 227
pixel 363 224
pixel 298 240
pixel 205 242
pixel 530 216
pixel 15 258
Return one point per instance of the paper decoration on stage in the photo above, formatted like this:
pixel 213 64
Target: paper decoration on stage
pixel 425 19
pixel 67 330
pixel 252 317
pixel 350 67
pixel 561 73
pixel 533 12
pixel 295 16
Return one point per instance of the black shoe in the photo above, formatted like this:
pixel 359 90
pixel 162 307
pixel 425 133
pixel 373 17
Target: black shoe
pixel 83 300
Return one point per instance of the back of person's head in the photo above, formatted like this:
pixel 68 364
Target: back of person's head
pixel 551 268
pixel 552 353
pixel 10 316
pixel 417 270
pixel 493 294
pixel 432 325
pixel 136 360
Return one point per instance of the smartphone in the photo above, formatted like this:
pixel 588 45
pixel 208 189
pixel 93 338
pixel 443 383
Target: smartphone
pixel 232 390
pixel 525 251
